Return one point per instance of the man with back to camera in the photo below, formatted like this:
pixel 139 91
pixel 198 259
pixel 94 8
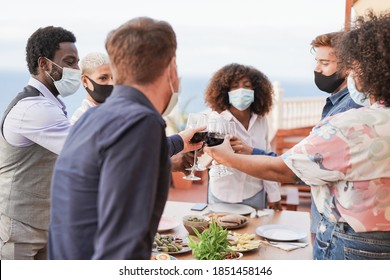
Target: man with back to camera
pixel 327 78
pixel 111 181
pixel 33 131
pixel 96 77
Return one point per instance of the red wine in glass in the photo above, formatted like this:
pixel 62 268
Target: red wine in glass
pixel 214 139
pixel 199 137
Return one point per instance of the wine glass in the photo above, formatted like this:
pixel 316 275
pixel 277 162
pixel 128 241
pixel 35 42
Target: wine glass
pixel 231 130
pixel 198 137
pixel 196 120
pixel 217 129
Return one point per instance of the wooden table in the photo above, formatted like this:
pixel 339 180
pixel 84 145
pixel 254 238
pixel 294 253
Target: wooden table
pixel 177 210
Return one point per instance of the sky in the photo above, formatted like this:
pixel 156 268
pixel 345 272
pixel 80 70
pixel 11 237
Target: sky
pixel 273 36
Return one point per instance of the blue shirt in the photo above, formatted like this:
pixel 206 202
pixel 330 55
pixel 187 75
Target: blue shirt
pixel 111 181
pixel 338 103
pixel 261 152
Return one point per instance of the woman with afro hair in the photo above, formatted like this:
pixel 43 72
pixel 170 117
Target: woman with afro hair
pixel 243 95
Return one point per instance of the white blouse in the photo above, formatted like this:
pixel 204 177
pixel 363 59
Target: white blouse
pixel 85 105
pixel 240 186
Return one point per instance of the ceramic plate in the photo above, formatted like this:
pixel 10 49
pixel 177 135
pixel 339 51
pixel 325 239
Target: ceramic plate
pixel 154 256
pixel 167 223
pixel 184 250
pixel 165 240
pixel 237 226
pixel 238 256
pixel 243 242
pixel 234 208
pixel 280 232
pixel 217 216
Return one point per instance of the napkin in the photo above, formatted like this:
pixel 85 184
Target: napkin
pixel 286 246
pixel 259 213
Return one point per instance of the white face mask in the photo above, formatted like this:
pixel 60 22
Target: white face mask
pixel 172 103
pixel 241 98
pixel 70 81
pixel 173 100
pixel 357 96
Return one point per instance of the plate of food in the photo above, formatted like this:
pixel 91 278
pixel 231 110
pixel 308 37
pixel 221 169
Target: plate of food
pixel 169 244
pixel 162 257
pixel 167 223
pixel 229 220
pixel 280 232
pixel 233 208
pixel 234 256
pixel 244 242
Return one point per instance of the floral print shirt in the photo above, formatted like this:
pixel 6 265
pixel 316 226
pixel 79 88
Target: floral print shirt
pixel 346 161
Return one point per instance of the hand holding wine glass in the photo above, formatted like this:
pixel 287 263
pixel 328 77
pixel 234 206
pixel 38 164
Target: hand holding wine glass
pixel 196 121
pixel 187 134
pixel 222 152
pixel 218 128
pixel 231 129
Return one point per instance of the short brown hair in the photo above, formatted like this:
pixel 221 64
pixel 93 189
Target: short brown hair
pixel 217 97
pixel 326 40
pixel 140 49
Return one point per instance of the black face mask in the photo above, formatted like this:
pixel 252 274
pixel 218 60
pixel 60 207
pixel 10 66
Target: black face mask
pixel 100 92
pixel 328 83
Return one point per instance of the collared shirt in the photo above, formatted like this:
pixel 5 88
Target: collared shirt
pixel 111 181
pixel 85 105
pixel 348 155
pixel 240 186
pixel 39 119
pixel 338 103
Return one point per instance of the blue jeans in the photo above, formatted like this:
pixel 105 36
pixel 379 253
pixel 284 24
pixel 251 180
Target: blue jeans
pixel 315 217
pixel 258 201
pixel 340 242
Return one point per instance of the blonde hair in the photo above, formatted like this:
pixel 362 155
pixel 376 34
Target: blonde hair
pixel 92 60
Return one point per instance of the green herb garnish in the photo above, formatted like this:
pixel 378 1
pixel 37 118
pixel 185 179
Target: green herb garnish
pixel 211 244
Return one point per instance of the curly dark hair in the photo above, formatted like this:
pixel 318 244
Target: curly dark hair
pixel 366 50
pixel 216 94
pixel 44 42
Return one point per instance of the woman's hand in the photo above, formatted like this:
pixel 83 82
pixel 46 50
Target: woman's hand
pixel 240 147
pixel 277 205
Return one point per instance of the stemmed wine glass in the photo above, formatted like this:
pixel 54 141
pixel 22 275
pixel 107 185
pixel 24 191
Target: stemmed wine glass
pixel 196 120
pixel 217 130
pixel 231 130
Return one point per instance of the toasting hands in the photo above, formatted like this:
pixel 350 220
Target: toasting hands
pixel 187 135
pixel 181 162
pixel 221 153
pixel 240 147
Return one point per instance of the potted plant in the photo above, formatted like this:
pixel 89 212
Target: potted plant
pixel 211 244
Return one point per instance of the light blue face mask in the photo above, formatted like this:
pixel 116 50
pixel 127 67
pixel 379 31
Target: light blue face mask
pixel 241 98
pixel 359 97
